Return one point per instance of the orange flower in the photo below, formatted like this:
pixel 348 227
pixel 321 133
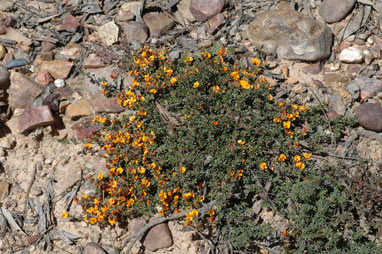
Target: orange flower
pixel 244 84
pixel 255 61
pixel 270 97
pixel 277 120
pixel 65 215
pixel 196 84
pixel 235 75
pixel 302 108
pixel 182 169
pixel 263 166
pixel 307 155
pixel 112 220
pixel 100 176
pixel 173 80
pixel 286 124
pixel 297 158
pixel 300 165
pixel 88 146
pixel 93 220
pixel 215 123
pixel 282 157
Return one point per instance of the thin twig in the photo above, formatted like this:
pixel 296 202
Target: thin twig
pixel 132 239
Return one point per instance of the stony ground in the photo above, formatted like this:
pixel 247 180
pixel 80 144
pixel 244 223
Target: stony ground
pixel 317 51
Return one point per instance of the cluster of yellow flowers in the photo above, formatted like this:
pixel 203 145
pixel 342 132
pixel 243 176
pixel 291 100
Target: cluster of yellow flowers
pixel 287 118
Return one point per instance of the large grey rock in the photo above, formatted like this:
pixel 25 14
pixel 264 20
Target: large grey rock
pixel 291 35
pixel 334 10
pixel 370 116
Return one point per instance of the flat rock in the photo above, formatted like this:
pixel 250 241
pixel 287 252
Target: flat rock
pixel 291 35
pixel 70 23
pixel 135 30
pixel 370 116
pixel 59 69
pixel 203 10
pixel 334 10
pixel 215 22
pixel 35 117
pixel 184 9
pixel 4 78
pixel 108 33
pixel 47 46
pixel 332 78
pixel 127 11
pixel 4 190
pixel 102 104
pixel 368 87
pixel 79 108
pixel 67 176
pixel 93 61
pixel 22 90
pixel 92 248
pixel 351 55
pixel 12 34
pixel 158 23
pixel 313 69
pixel 158 237
pixel 85 129
pixel 44 78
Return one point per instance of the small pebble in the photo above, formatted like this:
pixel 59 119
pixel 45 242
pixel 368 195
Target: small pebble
pixel 89 165
pixel 48 161
pixel 36 192
pixel 370 40
pixel 16 63
pixel 84 224
pixel 59 83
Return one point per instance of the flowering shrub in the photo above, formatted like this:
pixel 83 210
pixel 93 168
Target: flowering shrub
pixel 202 129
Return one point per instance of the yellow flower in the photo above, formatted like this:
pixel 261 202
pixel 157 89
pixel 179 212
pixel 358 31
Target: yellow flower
pixel 112 220
pixel 194 213
pixel 141 170
pixel 182 169
pixel 173 80
pixel 294 106
pixel 281 104
pixel 297 158
pixel 235 75
pixel 189 59
pixel 244 84
pixel 100 176
pixel 103 83
pixel 88 146
pixel 300 165
pixel 241 142
pixel 307 155
pixel 132 118
pixel 286 124
pixel 93 220
pixel 263 166
pixel 270 97
pixel 153 91
pixel 255 61
pixel 65 215
pixel 130 202
pixel 277 120
pixel 216 88
pixel 302 108
pixel 282 157
pixel 152 58
pixel 111 201
pixel 196 84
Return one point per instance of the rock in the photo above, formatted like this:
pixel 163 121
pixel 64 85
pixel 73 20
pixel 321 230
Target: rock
pixel 94 61
pixel 92 248
pixel 343 93
pixel 375 51
pixel 16 63
pixel 368 87
pixel 353 89
pixel 370 116
pixel 12 34
pixel 59 69
pixel 35 117
pixel 79 108
pixel 158 237
pixel 4 78
pixel 298 89
pixel 22 90
pixel 47 46
pixel 3 52
pixel 333 10
pixel 4 190
pixel 135 30
pixel 108 33
pixel 291 35
pixel 45 56
pixel 184 9
pixel 36 192
pixel 10 22
pixel 7 142
pixel 85 129
pixel 368 56
pixel 59 83
pixel 332 78
pixel 70 24
pixel 313 69
pixel 215 22
pixel 6 5
pixel 203 10
pixel 351 55
pixel 44 78
pixel 158 23
pixel 3 29
pixel 67 176
pixel 353 70
pixel 102 104
pixel 285 71
pixel 127 11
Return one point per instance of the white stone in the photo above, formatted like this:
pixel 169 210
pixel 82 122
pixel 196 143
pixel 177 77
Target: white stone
pixel 351 55
pixel 370 40
pixel 59 83
pixel 108 33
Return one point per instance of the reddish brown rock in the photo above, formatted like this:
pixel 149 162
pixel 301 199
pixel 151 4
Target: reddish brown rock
pixel 79 108
pixel 59 69
pixel 203 9
pixel 70 23
pixel 158 23
pixel 35 117
pixel 22 90
pixel 94 61
pixel 44 78
pixel 158 237
pixel 135 31
pixel 85 129
pixel 102 104
pixel 47 46
pixel 313 68
pixel 46 56
pixel 3 29
pixel 215 22
pixel 92 248
pixel 370 116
